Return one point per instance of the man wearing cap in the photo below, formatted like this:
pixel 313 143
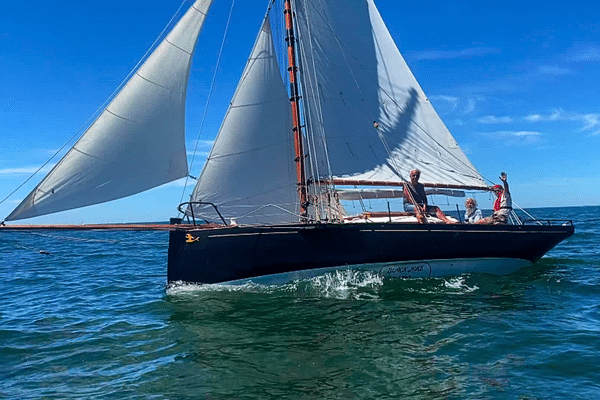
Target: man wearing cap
pixel 502 205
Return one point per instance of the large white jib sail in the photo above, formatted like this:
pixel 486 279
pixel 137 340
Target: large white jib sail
pixel 137 142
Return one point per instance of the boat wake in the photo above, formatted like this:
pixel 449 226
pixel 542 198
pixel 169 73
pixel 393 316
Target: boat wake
pixel 342 284
pixel 339 284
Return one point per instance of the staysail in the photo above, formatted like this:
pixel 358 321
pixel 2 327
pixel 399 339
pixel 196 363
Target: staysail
pixel 137 142
pixel 364 101
pixel 250 172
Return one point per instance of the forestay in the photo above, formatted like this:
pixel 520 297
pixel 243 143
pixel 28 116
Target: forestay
pixel 137 142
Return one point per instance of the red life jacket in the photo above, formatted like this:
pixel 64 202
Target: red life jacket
pixel 498 201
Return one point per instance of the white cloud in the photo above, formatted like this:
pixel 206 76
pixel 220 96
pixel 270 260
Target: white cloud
pixel 584 53
pixel 590 121
pixel 470 106
pixel 492 119
pixel 202 143
pixel 554 70
pixel 198 153
pixel 452 104
pixel 533 118
pixel 452 54
pixel 24 170
pixel 526 133
pixel 183 182
pixel 518 133
pixel 518 137
pixel 16 171
pixel 201 148
pixel 448 103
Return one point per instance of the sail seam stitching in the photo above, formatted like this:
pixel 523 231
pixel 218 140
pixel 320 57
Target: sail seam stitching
pixel 152 82
pixel 123 118
pixel 260 58
pixel 242 152
pixel 200 11
pixel 177 47
pixel 254 104
pixel 84 153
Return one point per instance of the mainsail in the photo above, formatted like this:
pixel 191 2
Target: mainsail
pixel 250 173
pixel 362 98
pixel 137 142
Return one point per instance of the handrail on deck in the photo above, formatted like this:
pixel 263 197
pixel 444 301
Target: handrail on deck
pixel 550 222
pixel 200 203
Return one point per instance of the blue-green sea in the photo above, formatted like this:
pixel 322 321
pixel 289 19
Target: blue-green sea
pixel 93 319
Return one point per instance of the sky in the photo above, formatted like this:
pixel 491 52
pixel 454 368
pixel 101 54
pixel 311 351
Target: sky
pixel 516 82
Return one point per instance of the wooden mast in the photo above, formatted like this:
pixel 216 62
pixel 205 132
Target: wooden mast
pixel 294 101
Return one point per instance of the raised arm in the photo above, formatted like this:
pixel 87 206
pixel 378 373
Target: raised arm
pixel 503 179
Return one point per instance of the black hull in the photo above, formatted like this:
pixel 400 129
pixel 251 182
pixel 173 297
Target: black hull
pixel 238 253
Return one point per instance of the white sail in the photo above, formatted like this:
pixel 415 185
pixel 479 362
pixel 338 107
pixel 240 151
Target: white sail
pixel 250 172
pixel 138 141
pixel 354 76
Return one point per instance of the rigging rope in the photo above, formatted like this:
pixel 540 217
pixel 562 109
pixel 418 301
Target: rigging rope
pixel 212 85
pixel 309 123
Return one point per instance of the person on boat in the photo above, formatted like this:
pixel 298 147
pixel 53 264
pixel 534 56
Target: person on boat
pixel 472 214
pixel 502 205
pixel 415 197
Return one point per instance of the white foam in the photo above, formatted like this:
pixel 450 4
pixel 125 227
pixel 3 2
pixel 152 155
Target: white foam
pixel 184 288
pixel 459 284
pixel 346 284
pixel 342 284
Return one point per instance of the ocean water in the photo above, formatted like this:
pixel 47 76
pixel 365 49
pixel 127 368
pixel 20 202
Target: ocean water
pixel 94 319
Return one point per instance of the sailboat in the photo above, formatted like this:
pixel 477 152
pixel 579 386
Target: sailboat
pixel 346 119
